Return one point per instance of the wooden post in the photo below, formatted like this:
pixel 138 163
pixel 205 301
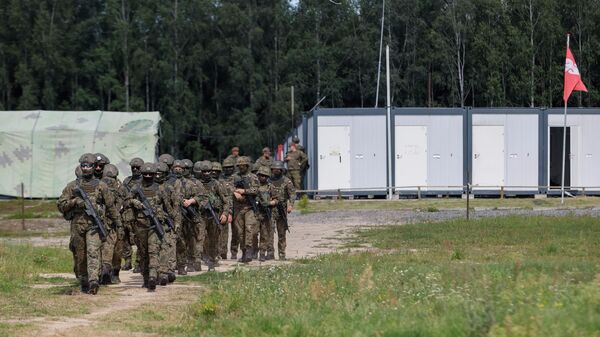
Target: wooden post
pixel 22 206
pixel 419 192
pixel 501 192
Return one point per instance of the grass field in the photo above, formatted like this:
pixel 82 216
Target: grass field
pixel 508 276
pixel 13 209
pixel 514 276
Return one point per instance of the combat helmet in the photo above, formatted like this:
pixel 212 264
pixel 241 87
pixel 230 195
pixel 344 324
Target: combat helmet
pixel 148 168
pixel 228 162
pixel 87 158
pixel 277 164
pixel 111 171
pixel 244 160
pixel 101 159
pixel 166 158
pixel 216 166
pixel 162 167
pixel 138 162
pixel 264 171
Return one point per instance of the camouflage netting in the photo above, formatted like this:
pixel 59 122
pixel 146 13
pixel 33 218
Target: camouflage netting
pixel 41 148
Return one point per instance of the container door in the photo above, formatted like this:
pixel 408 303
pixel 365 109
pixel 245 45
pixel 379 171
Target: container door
pixel 411 157
pixel 334 157
pixel 488 157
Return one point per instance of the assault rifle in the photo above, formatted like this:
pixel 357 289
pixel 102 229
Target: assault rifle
pixel 243 183
pixel 149 213
pixel 91 212
pixel 283 213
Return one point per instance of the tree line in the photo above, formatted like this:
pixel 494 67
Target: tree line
pixel 220 71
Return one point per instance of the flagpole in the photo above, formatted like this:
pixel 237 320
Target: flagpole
pixel 564 147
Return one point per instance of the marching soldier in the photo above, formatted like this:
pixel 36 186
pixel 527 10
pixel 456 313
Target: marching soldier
pixel 112 248
pixel 78 200
pixel 128 214
pixel 267 199
pixel 286 195
pixel 168 255
pixel 100 163
pixel 246 189
pixel 295 159
pixel 148 203
pixel 214 209
pixel 227 181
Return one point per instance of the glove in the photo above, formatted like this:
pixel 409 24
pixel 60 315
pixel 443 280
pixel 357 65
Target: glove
pixel 77 202
pixel 137 204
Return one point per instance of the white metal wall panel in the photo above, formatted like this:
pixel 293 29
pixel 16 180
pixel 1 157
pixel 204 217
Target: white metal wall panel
pixel 310 151
pixel 445 152
pixel 411 156
pixel 368 152
pixel 488 156
pixel 334 157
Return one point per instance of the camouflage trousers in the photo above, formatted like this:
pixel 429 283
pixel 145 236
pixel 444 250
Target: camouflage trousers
pixel 190 242
pixel 86 245
pixel 211 241
pixel 148 245
pixel 128 241
pixel 167 254
pixel 281 236
pixel 181 244
pixel 247 226
pixel 235 240
pixel 222 244
pixel 296 178
pixel 266 236
pixel 112 248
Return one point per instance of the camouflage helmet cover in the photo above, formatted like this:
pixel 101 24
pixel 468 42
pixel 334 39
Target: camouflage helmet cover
pixel 277 164
pixel 101 159
pixel 136 162
pixel 264 171
pixel 243 161
pixel 166 158
pixel 228 162
pixel 148 168
pixel 295 139
pixel 178 163
pixel 216 166
pixel 188 164
pixel 87 158
pixel 162 167
pixel 111 171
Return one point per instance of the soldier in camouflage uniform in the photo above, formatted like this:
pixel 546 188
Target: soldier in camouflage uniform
pixel 227 181
pixel 246 189
pixel 286 195
pixel 148 240
pixel 267 199
pixel 265 160
pixel 86 238
pixel 128 214
pixel 216 170
pixel 191 239
pixel 188 165
pixel 100 163
pixel 168 159
pixel 295 159
pixel 113 246
pixel 167 255
pixel 235 155
pixel 215 200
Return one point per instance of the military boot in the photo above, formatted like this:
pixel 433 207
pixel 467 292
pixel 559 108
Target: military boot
pixel 115 277
pixel 181 270
pixel 93 288
pixel 85 285
pixel 262 256
pixel 249 255
pixel 234 254
pixel 137 269
pixel 211 265
pixel 163 280
pixel 126 265
pixel 198 266
pixel 145 285
pixel 243 258
pixel 224 256
pixel 254 253
pixel 152 284
pixel 270 256
pixel 282 257
pixel 191 268
pixel 106 274
pixel 171 277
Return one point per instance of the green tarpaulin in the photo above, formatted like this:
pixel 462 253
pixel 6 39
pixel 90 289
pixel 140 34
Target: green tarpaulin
pixel 41 149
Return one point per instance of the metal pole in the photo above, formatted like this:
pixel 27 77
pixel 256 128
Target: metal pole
pixel 388 104
pixel 292 104
pixel 380 48
pixel 562 182
pixel 22 206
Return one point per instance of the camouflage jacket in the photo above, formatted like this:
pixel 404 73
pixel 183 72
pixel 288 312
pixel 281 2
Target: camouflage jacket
pixel 296 160
pixel 155 197
pixel 266 194
pixel 114 185
pixel 285 191
pixel 172 200
pixel 188 189
pixel 250 180
pixel 127 186
pixel 69 204
pixel 261 161
pixel 218 196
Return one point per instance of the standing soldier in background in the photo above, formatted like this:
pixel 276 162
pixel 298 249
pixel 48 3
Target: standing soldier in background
pixel 112 248
pixel 128 214
pixel 265 159
pixel 246 189
pixel 286 195
pixel 215 208
pixel 100 163
pixel 304 163
pixel 86 233
pixel 227 181
pixel 267 198
pixel 146 231
pixel 295 160
pixel 235 155
pixel 167 254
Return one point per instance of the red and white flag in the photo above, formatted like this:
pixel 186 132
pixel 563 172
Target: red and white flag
pixel 572 77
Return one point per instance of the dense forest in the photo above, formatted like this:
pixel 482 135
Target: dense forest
pixel 220 71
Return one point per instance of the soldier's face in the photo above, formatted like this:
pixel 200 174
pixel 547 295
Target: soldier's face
pixel 215 174
pixel 228 170
pixel 263 179
pixel 235 152
pixel 266 154
pixel 178 170
pixel 87 169
pixel 99 167
pixel 243 168
pixel 276 172
pixel 148 177
pixel 160 177
pixel 206 175
pixel 135 171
